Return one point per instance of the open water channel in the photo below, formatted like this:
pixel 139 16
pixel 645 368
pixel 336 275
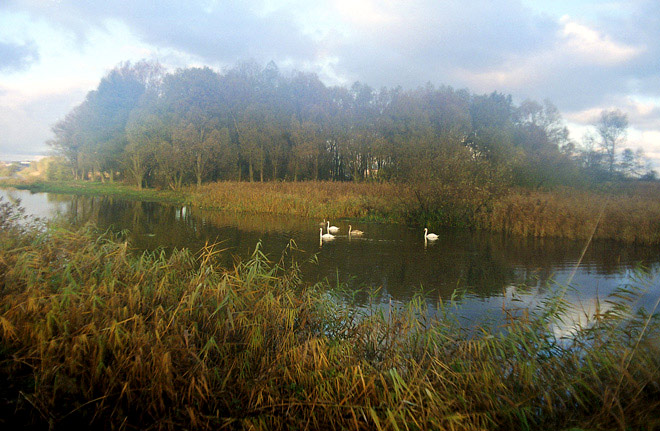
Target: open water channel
pixel 491 271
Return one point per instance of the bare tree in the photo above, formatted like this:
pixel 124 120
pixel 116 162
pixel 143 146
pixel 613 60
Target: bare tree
pixel 612 128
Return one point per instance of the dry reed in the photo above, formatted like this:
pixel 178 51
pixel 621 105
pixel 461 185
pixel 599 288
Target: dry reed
pixel 571 213
pixel 92 335
pixel 314 199
pixel 631 211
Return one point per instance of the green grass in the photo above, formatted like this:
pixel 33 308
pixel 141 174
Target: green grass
pixel 93 335
pixel 88 188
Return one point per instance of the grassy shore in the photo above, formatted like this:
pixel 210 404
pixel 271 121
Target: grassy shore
pixel 92 335
pixel 629 213
pixel 89 188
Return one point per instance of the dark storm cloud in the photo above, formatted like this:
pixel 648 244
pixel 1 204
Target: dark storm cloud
pixel 16 57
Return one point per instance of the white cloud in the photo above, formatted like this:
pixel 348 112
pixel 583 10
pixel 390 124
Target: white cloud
pixel 643 112
pixel 366 12
pixel 32 100
pixel 587 44
pixel 649 141
pixel 644 120
pixel 585 116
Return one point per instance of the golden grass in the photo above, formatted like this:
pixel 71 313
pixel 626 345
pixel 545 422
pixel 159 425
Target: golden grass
pixel 91 335
pixel 573 213
pixel 314 199
pixel 631 212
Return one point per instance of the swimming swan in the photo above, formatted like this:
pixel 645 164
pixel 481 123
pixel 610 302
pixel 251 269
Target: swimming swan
pixel 332 229
pixel 430 236
pixel 354 232
pixel 325 236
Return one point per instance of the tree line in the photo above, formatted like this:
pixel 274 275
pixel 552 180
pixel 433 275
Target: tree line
pixel 151 127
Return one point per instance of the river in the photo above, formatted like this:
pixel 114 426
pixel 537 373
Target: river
pixel 390 263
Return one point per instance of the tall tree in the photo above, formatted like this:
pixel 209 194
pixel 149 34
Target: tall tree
pixel 541 134
pixel 145 134
pixel 194 105
pixel 612 128
pixel 93 137
pixel 633 164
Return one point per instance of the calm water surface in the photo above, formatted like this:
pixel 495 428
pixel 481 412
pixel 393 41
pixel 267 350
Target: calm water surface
pixel 490 270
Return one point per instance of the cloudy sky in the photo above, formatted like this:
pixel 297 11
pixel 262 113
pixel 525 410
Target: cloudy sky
pixel 583 55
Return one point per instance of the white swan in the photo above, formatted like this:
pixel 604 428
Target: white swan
pixel 325 236
pixel 430 236
pixel 322 224
pixel 354 232
pixel 332 229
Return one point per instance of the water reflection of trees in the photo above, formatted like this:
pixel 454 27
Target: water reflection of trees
pixel 391 258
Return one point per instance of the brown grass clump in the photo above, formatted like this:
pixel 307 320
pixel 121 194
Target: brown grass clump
pixel 631 212
pixel 91 335
pixel 570 213
pixel 314 199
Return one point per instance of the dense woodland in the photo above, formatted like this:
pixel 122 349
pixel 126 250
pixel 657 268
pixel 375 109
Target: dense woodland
pixel 249 123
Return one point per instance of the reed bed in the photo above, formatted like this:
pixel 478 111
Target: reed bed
pixel 314 199
pixel 623 215
pixel 630 212
pixel 94 335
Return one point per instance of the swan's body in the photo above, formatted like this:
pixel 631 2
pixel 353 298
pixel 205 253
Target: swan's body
pixel 429 236
pixel 332 229
pixel 325 236
pixel 354 232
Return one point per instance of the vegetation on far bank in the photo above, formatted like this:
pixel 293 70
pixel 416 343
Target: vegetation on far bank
pixel 92 335
pixel 628 212
pixel 252 139
pixel 193 126
pixel 89 188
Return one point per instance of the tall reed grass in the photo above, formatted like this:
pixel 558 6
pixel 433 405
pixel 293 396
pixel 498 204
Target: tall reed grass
pixel 93 335
pixel 569 213
pixel 630 212
pixel 317 199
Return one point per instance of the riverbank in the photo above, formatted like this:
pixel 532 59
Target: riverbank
pixel 91 335
pixel 90 188
pixel 629 213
